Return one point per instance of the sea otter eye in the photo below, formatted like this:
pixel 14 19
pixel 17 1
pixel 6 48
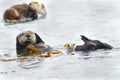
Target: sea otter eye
pixel 68 46
pixel 22 34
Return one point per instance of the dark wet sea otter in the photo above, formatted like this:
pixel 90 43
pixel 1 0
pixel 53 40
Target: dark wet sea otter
pixel 91 45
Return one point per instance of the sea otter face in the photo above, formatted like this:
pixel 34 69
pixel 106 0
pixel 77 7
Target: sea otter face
pixel 27 37
pixel 39 7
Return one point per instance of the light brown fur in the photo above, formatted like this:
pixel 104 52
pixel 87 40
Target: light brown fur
pixel 10 14
pixel 38 6
pixel 22 38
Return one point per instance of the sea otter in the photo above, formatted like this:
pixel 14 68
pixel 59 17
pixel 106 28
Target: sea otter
pixel 23 12
pixel 26 38
pixel 91 45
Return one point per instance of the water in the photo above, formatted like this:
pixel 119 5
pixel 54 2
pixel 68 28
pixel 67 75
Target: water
pixel 65 22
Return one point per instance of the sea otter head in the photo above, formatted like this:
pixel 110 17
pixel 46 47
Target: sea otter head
pixel 27 37
pixel 39 7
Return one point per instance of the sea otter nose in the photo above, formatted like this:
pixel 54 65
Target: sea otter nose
pixel 28 35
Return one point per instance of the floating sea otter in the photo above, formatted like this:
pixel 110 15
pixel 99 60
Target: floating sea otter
pixel 24 12
pixel 29 43
pixel 91 45
pixel 26 38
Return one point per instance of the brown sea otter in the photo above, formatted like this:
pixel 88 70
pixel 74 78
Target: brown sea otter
pixel 24 12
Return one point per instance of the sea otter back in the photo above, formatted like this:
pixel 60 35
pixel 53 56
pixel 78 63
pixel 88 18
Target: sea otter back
pixel 84 48
pixel 25 11
pixel 22 9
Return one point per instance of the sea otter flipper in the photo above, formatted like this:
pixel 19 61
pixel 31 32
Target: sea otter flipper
pixel 85 39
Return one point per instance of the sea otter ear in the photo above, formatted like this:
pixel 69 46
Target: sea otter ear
pixel 38 39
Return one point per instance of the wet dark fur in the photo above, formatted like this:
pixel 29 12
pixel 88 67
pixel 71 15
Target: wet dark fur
pixel 90 45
